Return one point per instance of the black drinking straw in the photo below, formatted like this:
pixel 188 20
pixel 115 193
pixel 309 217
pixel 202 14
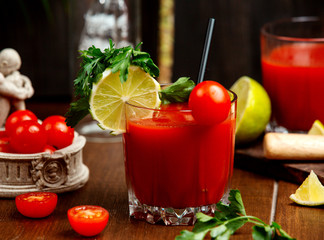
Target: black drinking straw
pixel 204 57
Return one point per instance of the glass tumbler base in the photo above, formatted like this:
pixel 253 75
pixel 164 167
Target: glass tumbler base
pixel 168 216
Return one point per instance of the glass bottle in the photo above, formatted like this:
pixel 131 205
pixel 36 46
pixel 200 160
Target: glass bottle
pixel 108 19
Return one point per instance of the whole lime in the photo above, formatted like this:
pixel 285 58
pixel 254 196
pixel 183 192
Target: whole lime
pixel 253 109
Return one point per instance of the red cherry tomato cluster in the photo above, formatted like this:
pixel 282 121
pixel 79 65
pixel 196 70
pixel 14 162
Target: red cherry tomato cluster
pixel 87 220
pixel 24 134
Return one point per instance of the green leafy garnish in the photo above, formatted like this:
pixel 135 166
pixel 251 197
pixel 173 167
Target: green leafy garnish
pixel 178 91
pixel 230 218
pixel 94 63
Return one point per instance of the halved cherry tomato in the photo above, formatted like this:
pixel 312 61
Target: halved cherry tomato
pixel 58 133
pixel 36 204
pixel 28 137
pixel 88 220
pixel 16 118
pixel 210 103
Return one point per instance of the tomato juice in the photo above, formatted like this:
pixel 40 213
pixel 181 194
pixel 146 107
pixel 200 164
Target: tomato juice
pixel 293 71
pixel 172 161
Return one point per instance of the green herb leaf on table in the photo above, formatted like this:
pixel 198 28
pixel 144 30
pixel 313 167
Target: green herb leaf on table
pixel 178 91
pixel 228 219
pixel 94 63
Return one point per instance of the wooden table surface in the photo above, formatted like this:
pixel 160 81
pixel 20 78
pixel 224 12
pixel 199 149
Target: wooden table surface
pixel 263 197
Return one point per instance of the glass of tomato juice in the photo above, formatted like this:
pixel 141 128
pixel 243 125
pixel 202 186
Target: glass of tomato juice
pixel 292 60
pixel 176 167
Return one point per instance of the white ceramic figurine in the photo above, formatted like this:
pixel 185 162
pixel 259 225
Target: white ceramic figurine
pixel 14 87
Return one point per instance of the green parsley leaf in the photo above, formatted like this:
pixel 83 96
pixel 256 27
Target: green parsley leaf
pixel 178 91
pixel 262 232
pixel 236 202
pixel 282 234
pixel 94 63
pixel 143 60
pixel 121 62
pixel 78 110
pixel 228 219
pixel 227 229
pixel 204 222
pixel 274 231
pixel 187 235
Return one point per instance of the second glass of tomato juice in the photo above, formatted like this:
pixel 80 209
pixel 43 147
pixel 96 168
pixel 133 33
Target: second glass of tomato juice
pixel 176 167
pixel 292 59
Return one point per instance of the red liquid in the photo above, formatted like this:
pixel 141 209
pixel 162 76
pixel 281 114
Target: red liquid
pixel 293 76
pixel 171 161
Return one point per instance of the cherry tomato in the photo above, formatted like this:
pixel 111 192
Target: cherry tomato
pixel 48 148
pixel 36 204
pixel 16 117
pixel 88 220
pixel 3 133
pixel 210 103
pixel 28 137
pixel 58 133
pixel 5 145
pixel 4 140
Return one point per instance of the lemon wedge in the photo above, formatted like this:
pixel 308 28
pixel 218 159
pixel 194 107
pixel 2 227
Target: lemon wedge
pixel 310 193
pixel 317 128
pixel 109 96
pixel 253 109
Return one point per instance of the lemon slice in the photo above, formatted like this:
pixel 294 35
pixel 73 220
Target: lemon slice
pixel 253 109
pixel 109 96
pixel 310 193
pixel 317 128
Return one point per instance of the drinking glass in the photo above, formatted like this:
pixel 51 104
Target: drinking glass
pixel 174 166
pixel 292 59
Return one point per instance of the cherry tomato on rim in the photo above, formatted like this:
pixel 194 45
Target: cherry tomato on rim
pixel 210 103
pixel 50 149
pixel 3 133
pixel 4 140
pixel 16 118
pixel 5 148
pixel 58 133
pixel 5 145
pixel 88 220
pixel 28 137
pixel 36 204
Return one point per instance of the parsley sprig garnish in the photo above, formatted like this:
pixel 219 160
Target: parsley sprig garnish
pixel 230 218
pixel 94 63
pixel 178 92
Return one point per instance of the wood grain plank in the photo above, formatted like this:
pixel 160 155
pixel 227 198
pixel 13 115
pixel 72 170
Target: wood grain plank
pixel 257 192
pixel 106 187
pixel 302 223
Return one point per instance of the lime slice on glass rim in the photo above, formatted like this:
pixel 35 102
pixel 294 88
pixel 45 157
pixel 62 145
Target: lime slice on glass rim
pixel 317 128
pixel 253 109
pixel 109 96
pixel 310 193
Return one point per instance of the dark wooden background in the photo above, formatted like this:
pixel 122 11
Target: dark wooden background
pixel 47 38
